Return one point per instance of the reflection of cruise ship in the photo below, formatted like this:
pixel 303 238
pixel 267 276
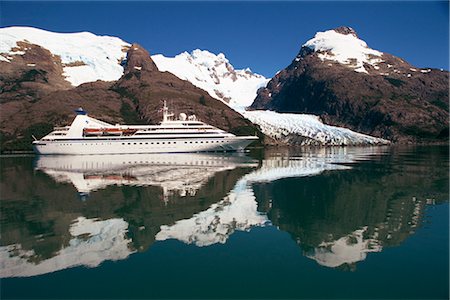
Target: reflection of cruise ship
pixel 180 173
pixel 87 135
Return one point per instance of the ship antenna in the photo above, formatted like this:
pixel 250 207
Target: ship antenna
pixel 165 111
pixel 166 114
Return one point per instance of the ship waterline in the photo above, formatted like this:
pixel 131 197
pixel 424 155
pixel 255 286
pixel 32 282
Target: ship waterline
pixel 87 135
pixel 142 145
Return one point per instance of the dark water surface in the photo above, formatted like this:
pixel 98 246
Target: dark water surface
pixel 311 223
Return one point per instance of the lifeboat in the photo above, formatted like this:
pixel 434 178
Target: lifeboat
pixel 92 131
pixel 104 131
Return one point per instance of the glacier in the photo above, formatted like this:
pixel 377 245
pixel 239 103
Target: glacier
pixel 281 127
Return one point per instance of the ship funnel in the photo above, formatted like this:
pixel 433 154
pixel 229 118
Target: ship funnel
pixel 80 111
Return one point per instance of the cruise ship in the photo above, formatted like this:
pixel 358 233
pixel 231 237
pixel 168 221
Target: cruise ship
pixel 87 135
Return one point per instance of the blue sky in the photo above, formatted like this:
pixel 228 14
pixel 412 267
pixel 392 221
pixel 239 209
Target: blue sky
pixel 264 36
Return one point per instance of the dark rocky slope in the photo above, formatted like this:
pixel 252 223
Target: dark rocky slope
pixel 392 99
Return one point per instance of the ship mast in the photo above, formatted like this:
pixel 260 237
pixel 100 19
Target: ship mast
pixel 166 114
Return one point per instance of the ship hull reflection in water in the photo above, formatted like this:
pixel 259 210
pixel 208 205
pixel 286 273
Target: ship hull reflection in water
pixel 175 173
pixel 337 204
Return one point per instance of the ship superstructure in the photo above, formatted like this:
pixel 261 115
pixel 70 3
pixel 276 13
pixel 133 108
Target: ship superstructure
pixel 87 135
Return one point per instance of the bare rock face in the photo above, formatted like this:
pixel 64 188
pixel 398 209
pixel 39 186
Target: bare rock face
pixel 31 75
pixel 139 59
pixel 383 96
pixel 346 30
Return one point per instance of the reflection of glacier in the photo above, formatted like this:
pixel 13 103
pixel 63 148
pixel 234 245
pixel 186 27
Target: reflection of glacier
pixel 180 173
pixel 238 210
pixel 92 242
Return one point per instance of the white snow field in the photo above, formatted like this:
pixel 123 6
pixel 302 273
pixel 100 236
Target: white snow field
pixel 214 74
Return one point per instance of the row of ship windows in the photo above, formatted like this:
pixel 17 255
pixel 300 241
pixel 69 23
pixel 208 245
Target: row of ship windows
pixel 151 143
pixel 177 128
pixel 157 143
pixel 174 133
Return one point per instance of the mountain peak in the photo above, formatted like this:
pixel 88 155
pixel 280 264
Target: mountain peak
pixel 214 74
pixel 342 45
pixel 139 59
pixel 346 30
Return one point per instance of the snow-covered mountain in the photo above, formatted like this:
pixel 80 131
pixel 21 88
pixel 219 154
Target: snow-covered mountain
pixel 85 57
pixel 343 46
pixel 338 77
pixel 214 74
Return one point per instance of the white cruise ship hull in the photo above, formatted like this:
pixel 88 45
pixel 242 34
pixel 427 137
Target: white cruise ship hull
pixel 90 146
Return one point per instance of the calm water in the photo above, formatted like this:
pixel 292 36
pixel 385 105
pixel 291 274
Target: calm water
pixel 316 223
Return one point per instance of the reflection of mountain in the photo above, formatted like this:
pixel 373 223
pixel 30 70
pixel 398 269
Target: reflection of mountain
pixel 92 243
pixel 46 228
pixel 238 211
pixel 339 217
